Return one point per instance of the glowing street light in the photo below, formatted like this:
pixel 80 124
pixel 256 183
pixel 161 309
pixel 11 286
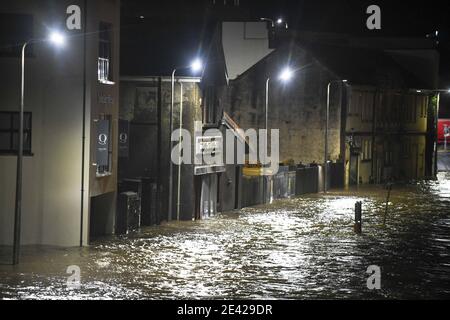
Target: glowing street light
pixel 287 74
pixel 279 21
pixel 197 66
pixel 57 39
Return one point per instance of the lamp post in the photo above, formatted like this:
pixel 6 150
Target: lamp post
pixel 58 40
pixel 196 66
pixel 285 76
pixel 327 125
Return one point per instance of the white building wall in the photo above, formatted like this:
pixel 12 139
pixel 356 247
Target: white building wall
pixel 244 44
pixel 54 94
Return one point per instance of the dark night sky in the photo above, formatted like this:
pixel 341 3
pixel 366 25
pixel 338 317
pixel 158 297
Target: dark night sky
pixel 173 31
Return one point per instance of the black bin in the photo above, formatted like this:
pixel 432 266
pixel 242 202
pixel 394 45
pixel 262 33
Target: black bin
pixel 128 213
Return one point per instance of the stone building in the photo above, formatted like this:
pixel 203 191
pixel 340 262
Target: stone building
pixel 145 108
pixel 381 125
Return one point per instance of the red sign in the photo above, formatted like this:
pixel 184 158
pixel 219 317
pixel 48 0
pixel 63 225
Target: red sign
pixel 443 130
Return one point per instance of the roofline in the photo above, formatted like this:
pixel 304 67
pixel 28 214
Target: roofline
pixel 163 78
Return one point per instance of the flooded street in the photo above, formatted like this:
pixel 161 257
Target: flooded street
pixel 302 248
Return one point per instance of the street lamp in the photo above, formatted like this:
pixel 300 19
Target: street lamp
pixel 196 67
pixel 57 39
pixel 326 161
pixel 285 76
pixel 278 22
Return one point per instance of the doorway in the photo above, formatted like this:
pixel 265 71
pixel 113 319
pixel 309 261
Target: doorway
pixel 354 169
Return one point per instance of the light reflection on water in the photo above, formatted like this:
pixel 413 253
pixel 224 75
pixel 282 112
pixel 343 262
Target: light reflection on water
pixel 300 248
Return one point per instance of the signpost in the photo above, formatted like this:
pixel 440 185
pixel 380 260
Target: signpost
pixel 446 135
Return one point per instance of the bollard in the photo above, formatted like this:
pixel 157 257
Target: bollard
pixel 358 218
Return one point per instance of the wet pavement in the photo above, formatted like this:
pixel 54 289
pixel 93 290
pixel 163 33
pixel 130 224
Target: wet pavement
pixel 302 248
pixel 444 160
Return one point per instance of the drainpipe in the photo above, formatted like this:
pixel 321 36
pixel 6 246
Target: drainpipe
pixel 266 179
pixel 436 122
pixel 374 128
pixel 83 139
pixel 325 174
pixel 169 217
pixel 179 154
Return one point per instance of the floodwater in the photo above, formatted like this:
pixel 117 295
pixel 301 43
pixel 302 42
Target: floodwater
pixel 302 248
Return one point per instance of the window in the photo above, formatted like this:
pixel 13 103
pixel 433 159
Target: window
pixel 388 155
pixel 105 59
pixel 422 102
pixel 396 108
pixel 406 149
pixel 366 149
pixel 357 99
pixel 367 108
pixel 15 30
pixel 9 133
pixel 410 111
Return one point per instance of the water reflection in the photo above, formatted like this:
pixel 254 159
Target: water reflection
pixel 298 248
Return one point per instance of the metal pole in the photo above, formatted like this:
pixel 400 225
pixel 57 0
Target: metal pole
pixel 325 175
pixel 18 204
pixel 267 104
pixel 266 181
pixel 169 218
pixel 436 138
pixel 179 154
pixel 358 217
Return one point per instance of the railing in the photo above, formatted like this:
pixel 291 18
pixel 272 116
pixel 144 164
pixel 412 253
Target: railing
pixel 103 70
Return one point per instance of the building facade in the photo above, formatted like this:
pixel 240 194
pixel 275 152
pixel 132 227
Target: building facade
pixel 388 135
pixel 71 120
pixel 380 127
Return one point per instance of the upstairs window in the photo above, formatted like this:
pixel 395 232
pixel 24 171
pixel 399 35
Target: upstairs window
pixel 366 149
pixel 105 58
pixel 367 107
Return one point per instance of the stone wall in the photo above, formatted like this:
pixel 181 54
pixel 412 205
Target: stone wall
pixel 297 108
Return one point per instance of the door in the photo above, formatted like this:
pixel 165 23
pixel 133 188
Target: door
pixel 208 201
pixel 354 169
